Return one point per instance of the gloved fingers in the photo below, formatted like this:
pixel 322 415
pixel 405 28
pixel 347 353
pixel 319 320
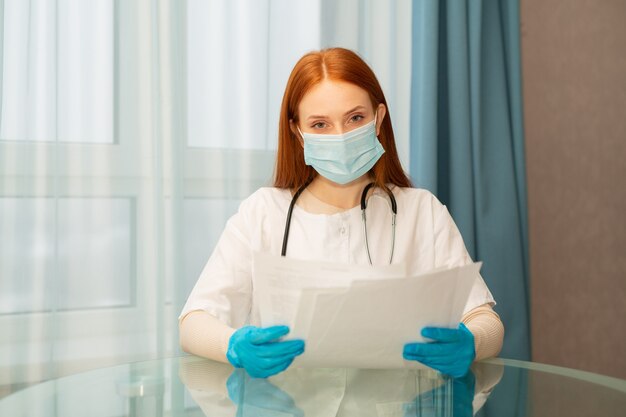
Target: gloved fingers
pixel 254 361
pixel 453 370
pixel 431 349
pixel 441 334
pixel 413 357
pixel 280 366
pixel 263 335
pixel 430 360
pixel 251 359
pixel 280 349
pixel 261 367
pixel 267 368
pixel 452 359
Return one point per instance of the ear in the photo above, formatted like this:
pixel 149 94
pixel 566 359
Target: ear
pixel 294 129
pixel 381 112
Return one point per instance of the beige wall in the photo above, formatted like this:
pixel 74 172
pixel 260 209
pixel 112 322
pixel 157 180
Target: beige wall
pixel 574 68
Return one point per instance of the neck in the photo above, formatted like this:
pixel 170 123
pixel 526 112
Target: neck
pixel 343 196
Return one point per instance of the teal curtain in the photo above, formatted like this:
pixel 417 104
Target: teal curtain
pixel 467 141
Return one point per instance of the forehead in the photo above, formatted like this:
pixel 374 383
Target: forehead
pixel 331 98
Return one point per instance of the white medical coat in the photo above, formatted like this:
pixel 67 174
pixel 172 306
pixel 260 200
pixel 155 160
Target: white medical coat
pixel 426 238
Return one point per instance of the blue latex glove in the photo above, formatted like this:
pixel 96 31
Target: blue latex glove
pixel 434 403
pixel 451 353
pixel 255 396
pixel 259 352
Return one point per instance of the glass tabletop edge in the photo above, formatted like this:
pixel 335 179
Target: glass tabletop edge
pixel 599 379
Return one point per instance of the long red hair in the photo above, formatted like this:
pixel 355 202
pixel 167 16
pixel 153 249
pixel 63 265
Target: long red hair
pixel 337 64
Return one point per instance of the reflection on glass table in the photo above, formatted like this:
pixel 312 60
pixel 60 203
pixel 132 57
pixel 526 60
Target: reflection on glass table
pixel 324 392
pixel 191 386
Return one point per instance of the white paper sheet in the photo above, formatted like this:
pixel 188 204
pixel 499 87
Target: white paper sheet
pixel 278 282
pixel 356 316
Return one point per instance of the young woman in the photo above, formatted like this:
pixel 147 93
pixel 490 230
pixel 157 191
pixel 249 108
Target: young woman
pixel 335 138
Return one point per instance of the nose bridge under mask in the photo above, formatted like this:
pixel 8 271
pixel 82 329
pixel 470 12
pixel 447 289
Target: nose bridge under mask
pixel 345 157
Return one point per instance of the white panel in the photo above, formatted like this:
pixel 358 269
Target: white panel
pixel 92 241
pixel 341 23
pixel 95 251
pixel 26 254
pixel 85 65
pixel 205 70
pixel 28 71
pixel 290 38
pixel 239 56
pixel 58 71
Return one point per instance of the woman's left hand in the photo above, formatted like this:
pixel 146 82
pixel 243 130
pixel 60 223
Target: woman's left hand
pixel 451 353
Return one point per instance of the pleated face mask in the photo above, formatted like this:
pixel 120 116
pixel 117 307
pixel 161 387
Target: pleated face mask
pixel 345 157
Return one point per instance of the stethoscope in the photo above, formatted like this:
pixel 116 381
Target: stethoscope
pixel 394 212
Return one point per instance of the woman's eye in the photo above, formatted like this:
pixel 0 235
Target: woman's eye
pixel 356 118
pixel 319 125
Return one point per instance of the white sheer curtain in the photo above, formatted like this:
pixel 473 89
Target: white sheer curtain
pixel 129 133
pixel 84 153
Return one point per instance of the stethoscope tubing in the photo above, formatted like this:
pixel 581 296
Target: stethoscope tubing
pixel 394 212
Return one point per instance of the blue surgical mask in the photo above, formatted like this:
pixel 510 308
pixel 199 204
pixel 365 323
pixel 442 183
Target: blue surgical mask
pixel 343 158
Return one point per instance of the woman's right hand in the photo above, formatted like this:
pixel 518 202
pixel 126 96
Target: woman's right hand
pixel 259 351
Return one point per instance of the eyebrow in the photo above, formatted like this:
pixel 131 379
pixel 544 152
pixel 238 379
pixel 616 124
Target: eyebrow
pixel 318 116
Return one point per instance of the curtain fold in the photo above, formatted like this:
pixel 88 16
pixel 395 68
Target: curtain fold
pixel 467 141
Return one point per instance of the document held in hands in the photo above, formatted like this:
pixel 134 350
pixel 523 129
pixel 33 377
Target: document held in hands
pixel 357 316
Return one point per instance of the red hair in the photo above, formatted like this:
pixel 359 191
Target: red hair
pixel 337 64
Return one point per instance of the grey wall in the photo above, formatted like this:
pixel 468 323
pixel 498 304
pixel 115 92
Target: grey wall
pixel 574 68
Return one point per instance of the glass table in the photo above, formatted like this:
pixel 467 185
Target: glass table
pixel 191 386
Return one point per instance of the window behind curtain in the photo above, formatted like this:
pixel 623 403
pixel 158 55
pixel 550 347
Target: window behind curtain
pixel 86 199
